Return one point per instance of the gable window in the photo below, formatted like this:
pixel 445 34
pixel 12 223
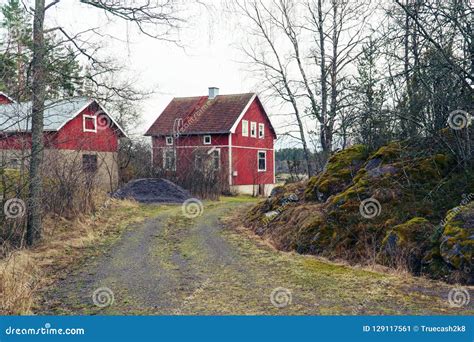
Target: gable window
pixel 169 160
pixel 89 163
pixel 262 161
pixel 261 130
pixel 207 140
pixel 216 159
pixel 169 140
pixel 253 129
pixel 89 123
pixel 245 128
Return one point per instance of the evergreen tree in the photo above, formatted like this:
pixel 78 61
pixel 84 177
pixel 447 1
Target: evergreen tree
pixel 62 68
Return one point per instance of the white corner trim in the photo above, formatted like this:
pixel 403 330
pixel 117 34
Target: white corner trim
pixel 274 165
pixel 241 115
pixel 230 159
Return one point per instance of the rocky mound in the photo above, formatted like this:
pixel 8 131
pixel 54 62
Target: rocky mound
pixel 153 190
pixel 393 206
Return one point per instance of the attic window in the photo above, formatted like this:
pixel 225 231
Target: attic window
pixel 253 129
pixel 89 123
pixel 261 130
pixel 207 140
pixel 245 128
pixel 169 140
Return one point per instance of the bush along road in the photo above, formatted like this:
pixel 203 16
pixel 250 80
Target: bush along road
pixel 195 259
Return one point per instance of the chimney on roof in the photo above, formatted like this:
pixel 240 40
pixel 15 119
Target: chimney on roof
pixel 213 92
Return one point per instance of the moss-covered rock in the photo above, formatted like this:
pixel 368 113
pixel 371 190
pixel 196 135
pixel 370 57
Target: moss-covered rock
pixel 415 184
pixel 407 243
pixel 457 240
pixel 340 170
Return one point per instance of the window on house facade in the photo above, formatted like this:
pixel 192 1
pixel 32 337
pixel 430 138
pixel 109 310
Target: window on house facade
pixel 245 128
pixel 261 130
pixel 89 163
pixel 216 159
pixel 207 140
pixel 89 123
pixel 253 129
pixel 169 160
pixel 198 162
pixel 169 140
pixel 262 161
pixel 14 163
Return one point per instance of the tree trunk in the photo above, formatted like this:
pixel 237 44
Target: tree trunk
pixel 33 231
pixel 333 109
pixel 324 91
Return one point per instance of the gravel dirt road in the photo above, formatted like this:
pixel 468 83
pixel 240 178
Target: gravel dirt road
pixel 173 264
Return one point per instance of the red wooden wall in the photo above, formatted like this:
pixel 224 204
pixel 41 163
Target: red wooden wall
pixel 70 137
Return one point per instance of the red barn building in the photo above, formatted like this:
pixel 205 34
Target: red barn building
pixel 78 133
pixel 233 131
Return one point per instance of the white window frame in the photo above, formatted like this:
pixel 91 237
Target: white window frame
pixel 84 117
pixel 253 129
pixel 258 161
pixel 261 130
pixel 196 157
pixel 218 150
pixel 245 128
pixel 170 142
pixel 204 140
pixel 173 167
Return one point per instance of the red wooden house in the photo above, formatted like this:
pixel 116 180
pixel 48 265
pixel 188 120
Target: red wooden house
pixel 77 132
pixel 234 131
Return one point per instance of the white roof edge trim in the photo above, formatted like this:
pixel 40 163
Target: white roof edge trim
pixel 110 116
pixel 241 115
pixel 8 97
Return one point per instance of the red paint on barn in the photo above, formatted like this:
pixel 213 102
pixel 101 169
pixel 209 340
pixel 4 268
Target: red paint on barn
pixel 71 135
pixel 221 119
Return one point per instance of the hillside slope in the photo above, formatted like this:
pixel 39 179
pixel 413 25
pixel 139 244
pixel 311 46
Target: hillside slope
pixel 403 206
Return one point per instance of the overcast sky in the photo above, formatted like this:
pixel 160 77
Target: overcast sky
pixel 210 55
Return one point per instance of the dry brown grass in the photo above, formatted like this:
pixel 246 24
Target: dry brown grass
pixel 24 272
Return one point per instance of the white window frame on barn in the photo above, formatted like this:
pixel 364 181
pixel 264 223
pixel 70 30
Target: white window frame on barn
pixel 264 159
pixel 165 164
pixel 261 130
pixel 245 128
pixel 169 140
pixel 204 140
pixel 253 129
pixel 84 119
